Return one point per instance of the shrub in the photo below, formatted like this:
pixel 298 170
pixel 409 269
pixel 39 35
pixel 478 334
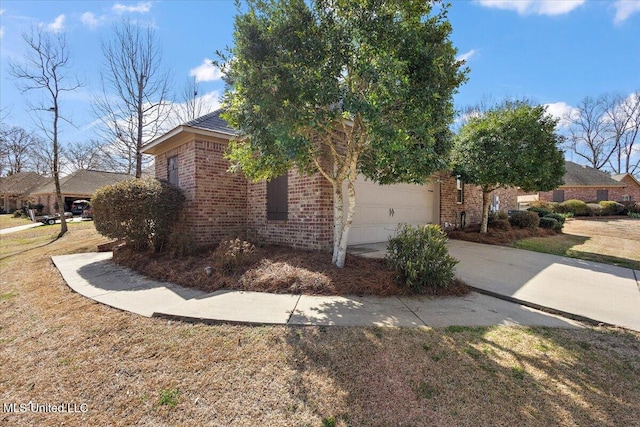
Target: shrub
pixel 611 208
pixel 633 214
pixel 633 207
pixel 540 211
pixel 576 207
pixel 594 209
pixel 420 257
pixel 233 253
pixel 141 211
pixel 501 224
pixel 497 216
pixel 524 219
pixel 551 223
pixel 556 216
pixel 550 206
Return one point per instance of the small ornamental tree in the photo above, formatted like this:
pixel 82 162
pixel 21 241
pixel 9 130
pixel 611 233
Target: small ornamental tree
pixel 141 211
pixel 513 145
pixel 341 87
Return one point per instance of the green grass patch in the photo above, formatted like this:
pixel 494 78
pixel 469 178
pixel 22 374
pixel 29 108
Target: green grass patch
pixel 7 296
pixel 168 397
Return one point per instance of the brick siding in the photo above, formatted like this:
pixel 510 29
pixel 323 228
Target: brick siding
pixel 450 209
pixel 586 194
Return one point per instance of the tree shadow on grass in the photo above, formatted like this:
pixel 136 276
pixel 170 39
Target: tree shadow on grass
pixel 466 376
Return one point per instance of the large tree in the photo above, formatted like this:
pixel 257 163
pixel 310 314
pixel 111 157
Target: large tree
pixel 134 102
pixel 623 116
pixel 342 87
pixel 512 145
pixel 15 148
pixel 45 69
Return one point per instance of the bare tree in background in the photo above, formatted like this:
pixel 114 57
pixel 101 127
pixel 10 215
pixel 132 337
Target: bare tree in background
pixel 41 157
pixel 623 115
pixel 85 155
pixel 15 149
pixel 44 69
pixel 590 135
pixel 134 103
pixel 190 106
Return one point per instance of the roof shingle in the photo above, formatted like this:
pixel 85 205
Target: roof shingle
pixel 212 121
pixel 21 183
pixel 83 181
pixel 579 175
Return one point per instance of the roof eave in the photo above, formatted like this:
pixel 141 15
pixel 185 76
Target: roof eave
pixel 151 147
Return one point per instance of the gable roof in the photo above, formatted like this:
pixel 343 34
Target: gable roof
pixel 584 176
pixel 621 176
pixel 20 183
pixel 212 121
pixel 210 125
pixel 83 181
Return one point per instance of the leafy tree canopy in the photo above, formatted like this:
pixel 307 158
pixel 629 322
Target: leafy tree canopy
pixel 511 145
pixel 377 75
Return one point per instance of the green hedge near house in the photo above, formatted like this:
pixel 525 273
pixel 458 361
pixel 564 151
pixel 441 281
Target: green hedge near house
pixel 140 211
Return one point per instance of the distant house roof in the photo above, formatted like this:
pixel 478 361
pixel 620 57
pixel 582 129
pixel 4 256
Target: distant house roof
pixel 621 176
pixel 20 183
pixel 83 182
pixel 210 124
pixel 584 176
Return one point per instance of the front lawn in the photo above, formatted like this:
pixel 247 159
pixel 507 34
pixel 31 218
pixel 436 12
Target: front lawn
pixel 8 221
pixel 610 241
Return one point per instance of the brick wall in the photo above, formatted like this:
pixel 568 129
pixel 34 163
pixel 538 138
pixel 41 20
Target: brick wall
pixel 310 217
pixel 632 189
pixel 216 200
pixel 450 210
pixel 586 194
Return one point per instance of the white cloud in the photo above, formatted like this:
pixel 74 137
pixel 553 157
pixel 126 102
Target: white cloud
pixel 537 7
pixel 141 7
pixel 1 12
pixel 467 55
pixel 1 32
pixel 90 20
pixel 561 110
pixel 625 8
pixel 57 25
pixel 206 72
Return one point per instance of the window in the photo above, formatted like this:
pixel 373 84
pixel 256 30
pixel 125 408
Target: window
pixel 602 195
pixel 172 170
pixel 459 191
pixel 558 196
pixel 627 198
pixel 278 198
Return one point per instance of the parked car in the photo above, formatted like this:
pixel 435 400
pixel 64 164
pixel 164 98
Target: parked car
pixel 87 212
pixel 79 206
pixel 51 219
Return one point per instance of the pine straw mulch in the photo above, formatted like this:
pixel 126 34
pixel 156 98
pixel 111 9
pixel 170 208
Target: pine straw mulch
pixel 276 269
pixel 498 237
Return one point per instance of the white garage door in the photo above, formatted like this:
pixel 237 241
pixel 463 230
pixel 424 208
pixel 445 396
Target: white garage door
pixel 380 208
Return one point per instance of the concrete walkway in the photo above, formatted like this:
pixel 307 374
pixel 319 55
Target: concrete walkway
pixel 95 276
pixel 20 228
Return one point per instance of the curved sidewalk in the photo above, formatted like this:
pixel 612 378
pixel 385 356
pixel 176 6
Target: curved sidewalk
pixel 95 276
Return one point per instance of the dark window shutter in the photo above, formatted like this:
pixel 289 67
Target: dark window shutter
pixel 172 170
pixel 602 195
pixel 558 196
pixel 278 198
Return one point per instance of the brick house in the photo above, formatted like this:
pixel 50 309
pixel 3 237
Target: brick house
pixel 632 189
pixel 591 185
pixel 294 209
pixel 81 184
pixel 15 189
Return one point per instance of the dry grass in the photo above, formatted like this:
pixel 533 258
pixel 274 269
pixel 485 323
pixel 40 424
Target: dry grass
pixel 8 221
pixel 612 241
pixel 57 346
pixel 277 270
pixel 498 237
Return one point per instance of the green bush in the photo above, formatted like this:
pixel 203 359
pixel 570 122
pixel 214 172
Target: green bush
pixel 611 208
pixel 420 257
pixel 497 216
pixel 551 223
pixel 594 209
pixel 633 207
pixel 556 216
pixel 550 206
pixel 141 211
pixel 633 214
pixel 524 219
pixel 540 211
pixel 576 207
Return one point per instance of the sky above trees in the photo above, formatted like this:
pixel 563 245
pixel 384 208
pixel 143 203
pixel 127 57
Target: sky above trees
pixel 551 52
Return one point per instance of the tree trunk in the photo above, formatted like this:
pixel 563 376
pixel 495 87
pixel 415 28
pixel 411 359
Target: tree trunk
pixel 340 246
pixel 485 210
pixel 140 122
pixel 56 171
pixel 338 206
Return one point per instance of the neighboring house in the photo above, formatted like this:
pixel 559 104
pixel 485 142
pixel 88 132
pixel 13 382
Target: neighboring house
pixel 586 184
pixel 15 189
pixel 294 209
pixel 81 184
pixel 632 190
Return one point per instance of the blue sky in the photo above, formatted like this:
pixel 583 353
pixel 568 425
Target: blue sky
pixel 554 51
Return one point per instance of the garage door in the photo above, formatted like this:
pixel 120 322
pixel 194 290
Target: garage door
pixel 380 208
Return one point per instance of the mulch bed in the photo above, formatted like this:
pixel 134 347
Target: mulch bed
pixel 277 270
pixel 496 236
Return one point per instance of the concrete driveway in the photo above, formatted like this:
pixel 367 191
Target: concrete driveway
pixel 580 289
